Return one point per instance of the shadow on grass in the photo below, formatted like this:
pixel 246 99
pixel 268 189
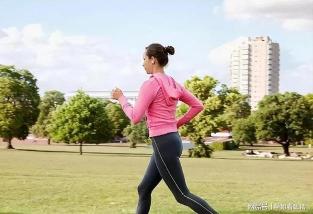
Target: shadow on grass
pixel 262 145
pixel 127 154
pixel 102 153
pixel 276 212
pixel 256 159
pixel 106 145
pixel 10 213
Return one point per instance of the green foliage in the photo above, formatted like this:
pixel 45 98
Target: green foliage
pixel 217 146
pixel 244 131
pixel 148 141
pixel 48 104
pixel 284 118
pixel 309 99
pixel 200 150
pixel 202 88
pixel 308 141
pixel 221 108
pixel 201 125
pixel 235 106
pixel 309 135
pixel 117 117
pixel 224 145
pixel 81 119
pixel 230 145
pixel 19 100
pixel 137 133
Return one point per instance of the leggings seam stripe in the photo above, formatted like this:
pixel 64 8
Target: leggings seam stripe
pixel 174 180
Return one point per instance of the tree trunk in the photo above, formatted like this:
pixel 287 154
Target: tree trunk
pixel 80 148
pixel 286 148
pixel 49 141
pixel 10 144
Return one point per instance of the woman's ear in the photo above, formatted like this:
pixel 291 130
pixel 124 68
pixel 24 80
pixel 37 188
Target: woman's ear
pixel 153 59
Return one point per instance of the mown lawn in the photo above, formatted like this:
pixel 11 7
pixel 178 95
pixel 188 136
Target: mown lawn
pixel 56 179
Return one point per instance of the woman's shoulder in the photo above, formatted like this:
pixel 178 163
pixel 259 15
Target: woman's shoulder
pixel 151 82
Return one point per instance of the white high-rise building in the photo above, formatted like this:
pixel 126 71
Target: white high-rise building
pixel 254 68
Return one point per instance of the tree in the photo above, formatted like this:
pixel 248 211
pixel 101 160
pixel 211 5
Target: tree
pixel 203 124
pixel 235 106
pixel 202 88
pixel 137 133
pixel 221 109
pixel 284 118
pixel 309 99
pixel 118 118
pixel 19 100
pixel 80 120
pixel 48 104
pixel 244 131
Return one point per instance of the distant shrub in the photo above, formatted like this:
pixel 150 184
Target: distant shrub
pixel 308 141
pixel 136 133
pixel 224 145
pixel 217 146
pixel 200 150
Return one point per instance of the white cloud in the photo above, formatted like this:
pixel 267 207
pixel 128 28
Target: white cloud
pixel 67 63
pixel 32 32
pixel 2 34
pixel 291 14
pixel 216 10
pixel 299 79
pixel 221 55
pixel 219 58
pixel 298 24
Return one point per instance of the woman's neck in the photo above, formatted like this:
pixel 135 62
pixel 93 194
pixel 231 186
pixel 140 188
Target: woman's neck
pixel 158 70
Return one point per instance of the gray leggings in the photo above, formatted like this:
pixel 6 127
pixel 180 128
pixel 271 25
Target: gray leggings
pixel 164 164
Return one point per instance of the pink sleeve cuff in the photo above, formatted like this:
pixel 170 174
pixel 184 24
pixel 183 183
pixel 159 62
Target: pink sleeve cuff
pixel 122 100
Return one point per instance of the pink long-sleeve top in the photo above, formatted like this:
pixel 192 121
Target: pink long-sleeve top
pixel 157 99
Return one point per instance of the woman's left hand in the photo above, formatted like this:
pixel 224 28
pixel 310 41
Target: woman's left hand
pixel 116 93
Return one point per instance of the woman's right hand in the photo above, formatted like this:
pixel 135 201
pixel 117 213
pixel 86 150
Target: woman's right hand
pixel 116 93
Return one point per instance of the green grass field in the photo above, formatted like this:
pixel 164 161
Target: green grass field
pixel 56 179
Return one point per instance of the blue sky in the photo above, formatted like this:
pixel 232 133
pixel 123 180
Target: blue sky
pixel 97 45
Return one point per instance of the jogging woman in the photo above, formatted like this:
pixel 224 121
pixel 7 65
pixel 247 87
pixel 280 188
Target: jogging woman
pixel 157 100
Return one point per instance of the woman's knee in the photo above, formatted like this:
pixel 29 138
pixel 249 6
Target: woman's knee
pixel 181 197
pixel 142 189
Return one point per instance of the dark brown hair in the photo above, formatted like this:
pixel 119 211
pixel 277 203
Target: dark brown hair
pixel 159 52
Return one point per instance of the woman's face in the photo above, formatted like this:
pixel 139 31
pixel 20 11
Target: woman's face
pixel 148 63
